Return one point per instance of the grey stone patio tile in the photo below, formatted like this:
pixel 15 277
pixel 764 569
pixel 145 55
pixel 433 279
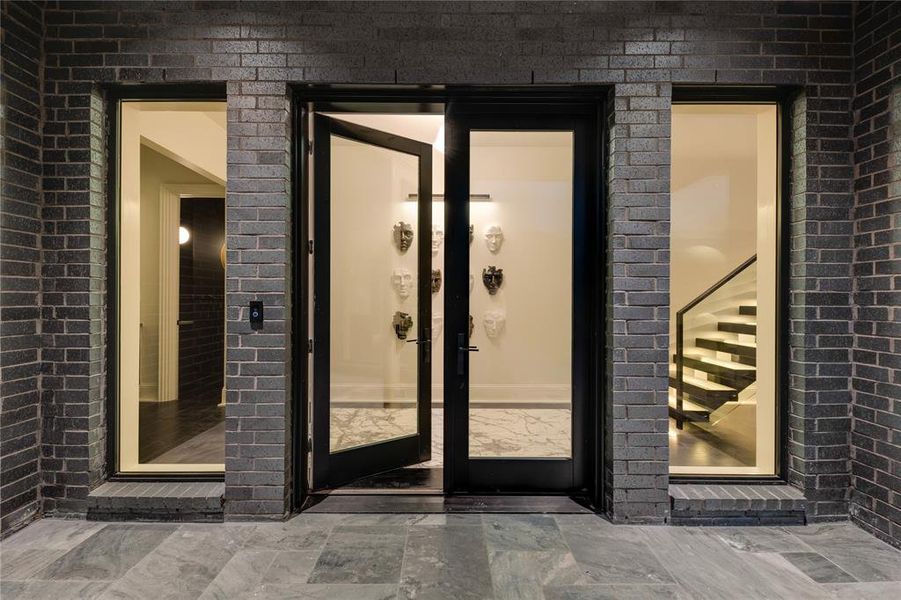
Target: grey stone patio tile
pixel 817 567
pixel 17 565
pixel 361 554
pixel 518 575
pixel 855 551
pixel 615 555
pixel 760 539
pixel 181 567
pixel 55 590
pixel 522 532
pixel 445 562
pixel 616 592
pixel 706 567
pixel 107 554
pixel 327 592
pixel 880 590
pixel 383 519
pixel 240 576
pixel 293 567
pixel 291 535
pixel 52 534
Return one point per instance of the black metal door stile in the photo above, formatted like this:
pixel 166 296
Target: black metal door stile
pixel 331 469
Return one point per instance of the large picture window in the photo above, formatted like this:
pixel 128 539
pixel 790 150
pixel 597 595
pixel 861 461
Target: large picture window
pixel 171 286
pixel 723 302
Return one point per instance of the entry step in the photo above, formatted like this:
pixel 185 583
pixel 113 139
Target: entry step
pixel 747 504
pixel 157 501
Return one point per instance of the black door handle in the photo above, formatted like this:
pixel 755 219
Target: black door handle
pixel 462 348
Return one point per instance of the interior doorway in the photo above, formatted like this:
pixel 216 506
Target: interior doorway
pixel 453 297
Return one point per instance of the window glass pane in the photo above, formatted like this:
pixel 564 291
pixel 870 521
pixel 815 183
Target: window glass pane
pixel 723 289
pixel 172 286
pixel 374 247
pixel 520 392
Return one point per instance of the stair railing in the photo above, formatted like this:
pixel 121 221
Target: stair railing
pixel 680 342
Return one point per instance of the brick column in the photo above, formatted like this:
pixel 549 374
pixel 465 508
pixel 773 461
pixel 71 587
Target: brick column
pixel 73 447
pixel 820 244
pixel 258 417
pixel 638 220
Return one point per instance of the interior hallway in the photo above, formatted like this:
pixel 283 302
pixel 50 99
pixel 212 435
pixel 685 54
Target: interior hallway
pixel 462 556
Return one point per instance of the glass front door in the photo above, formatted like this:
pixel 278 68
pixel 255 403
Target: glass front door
pixel 502 277
pixel 518 329
pixel 372 302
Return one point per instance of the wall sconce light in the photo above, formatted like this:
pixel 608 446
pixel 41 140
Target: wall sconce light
pixel 183 235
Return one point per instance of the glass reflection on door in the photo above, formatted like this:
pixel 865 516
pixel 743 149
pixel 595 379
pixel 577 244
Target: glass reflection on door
pixel 521 257
pixel 373 301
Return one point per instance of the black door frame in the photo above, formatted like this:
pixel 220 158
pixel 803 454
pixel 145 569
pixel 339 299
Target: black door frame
pixel 308 99
pixel 462 473
pixel 332 469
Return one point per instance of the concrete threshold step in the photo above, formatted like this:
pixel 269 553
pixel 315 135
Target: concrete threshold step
pixel 157 501
pixel 736 504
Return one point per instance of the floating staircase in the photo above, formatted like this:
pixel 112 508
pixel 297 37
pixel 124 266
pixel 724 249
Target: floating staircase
pixel 716 355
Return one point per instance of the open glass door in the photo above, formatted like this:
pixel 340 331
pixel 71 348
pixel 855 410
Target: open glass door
pixel 519 287
pixel 372 302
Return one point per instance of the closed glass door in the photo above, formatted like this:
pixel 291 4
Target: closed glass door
pixel 518 279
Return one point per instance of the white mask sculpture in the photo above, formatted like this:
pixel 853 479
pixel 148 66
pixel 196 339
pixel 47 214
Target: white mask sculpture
pixel 402 280
pixel 494 322
pixel 437 326
pixel 437 239
pixel 494 238
pixel 472 281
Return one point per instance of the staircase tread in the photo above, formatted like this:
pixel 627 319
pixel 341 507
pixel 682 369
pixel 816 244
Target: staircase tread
pixel 716 338
pixel 726 364
pixel 704 384
pixel 687 405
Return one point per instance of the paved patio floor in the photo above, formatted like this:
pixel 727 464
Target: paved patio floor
pixel 368 557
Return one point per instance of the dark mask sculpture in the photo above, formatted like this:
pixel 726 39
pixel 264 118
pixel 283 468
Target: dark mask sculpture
pixel 402 323
pixel 403 236
pixel 471 231
pixel 436 280
pixel 471 326
pixel 493 278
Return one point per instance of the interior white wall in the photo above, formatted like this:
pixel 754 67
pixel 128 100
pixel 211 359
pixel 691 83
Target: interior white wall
pixel 369 190
pixel 528 177
pixel 156 170
pixel 724 198
pixel 180 129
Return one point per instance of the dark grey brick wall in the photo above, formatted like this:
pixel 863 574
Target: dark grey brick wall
pixel 636 50
pixel 876 413
pixel 638 218
pixel 20 221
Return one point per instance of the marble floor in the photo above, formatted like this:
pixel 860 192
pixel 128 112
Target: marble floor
pixel 458 557
pixel 518 432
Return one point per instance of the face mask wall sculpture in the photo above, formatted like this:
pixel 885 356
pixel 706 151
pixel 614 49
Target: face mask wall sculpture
pixel 472 281
pixel 471 327
pixel 402 280
pixel 402 322
pixel 493 278
pixel 494 322
pixel 403 236
pixel 437 239
pixel 436 280
pixel 471 232
pixel 437 326
pixel 494 238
